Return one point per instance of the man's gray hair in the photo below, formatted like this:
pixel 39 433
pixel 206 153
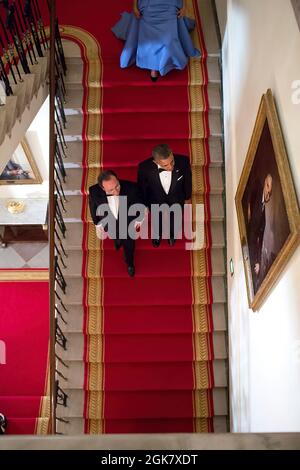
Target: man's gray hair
pixel 161 152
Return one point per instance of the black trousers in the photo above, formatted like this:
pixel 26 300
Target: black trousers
pixel 129 247
pixel 167 227
pixel 127 243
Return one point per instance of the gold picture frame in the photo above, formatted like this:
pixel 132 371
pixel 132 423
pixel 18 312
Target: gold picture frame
pixel 267 206
pixel 21 168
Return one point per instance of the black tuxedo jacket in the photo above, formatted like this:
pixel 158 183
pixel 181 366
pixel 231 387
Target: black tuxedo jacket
pixel 257 223
pixel 152 189
pixel 97 197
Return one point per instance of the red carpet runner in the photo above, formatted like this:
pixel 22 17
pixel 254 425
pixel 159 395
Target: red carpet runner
pixel 148 340
pixel 24 340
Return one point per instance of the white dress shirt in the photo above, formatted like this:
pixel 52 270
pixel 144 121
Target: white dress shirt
pixel 113 202
pixel 165 179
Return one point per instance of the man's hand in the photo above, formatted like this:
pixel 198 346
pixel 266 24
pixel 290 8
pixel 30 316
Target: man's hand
pixel 256 268
pixel 99 231
pixel 137 225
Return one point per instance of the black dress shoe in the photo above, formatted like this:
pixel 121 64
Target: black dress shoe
pixel 131 271
pixel 3 423
pixel 156 242
pixel 117 244
pixel 172 241
pixel 153 77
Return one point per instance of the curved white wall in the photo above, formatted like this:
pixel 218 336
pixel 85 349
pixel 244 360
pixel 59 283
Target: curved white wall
pixel 261 50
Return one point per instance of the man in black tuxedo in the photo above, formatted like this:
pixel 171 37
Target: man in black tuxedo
pixel 165 178
pixel 109 211
pixel 256 218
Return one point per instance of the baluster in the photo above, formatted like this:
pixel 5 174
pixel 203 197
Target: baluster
pixel 31 22
pixel 61 302
pixel 61 396
pixel 60 242
pixel 61 375
pixel 60 162
pixel 59 217
pixel 60 47
pixel 27 35
pixel 60 315
pixel 9 53
pixel 60 185
pixel 61 361
pixel 59 277
pixel 59 336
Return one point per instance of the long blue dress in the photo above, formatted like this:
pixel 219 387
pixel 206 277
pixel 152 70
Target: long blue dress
pixel 159 40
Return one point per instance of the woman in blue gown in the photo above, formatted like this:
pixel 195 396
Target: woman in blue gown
pixel 156 36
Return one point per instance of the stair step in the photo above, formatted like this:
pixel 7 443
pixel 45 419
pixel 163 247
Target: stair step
pixel 152 348
pixel 151 96
pixel 11 113
pixel 74 178
pixel 36 70
pixel 22 406
pixel 74 207
pixel 44 63
pixel 123 156
pixel 2 123
pixel 30 81
pixel 148 263
pixel 213 69
pixel 209 30
pixel 129 126
pixel 76 426
pixel 76 372
pixel 132 292
pixel 135 77
pixel 19 91
pixel 72 51
pixel 216 207
pixel 21 426
pixel 143 320
pixel 73 240
pixel 138 404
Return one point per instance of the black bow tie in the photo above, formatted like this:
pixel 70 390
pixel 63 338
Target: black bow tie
pixel 161 169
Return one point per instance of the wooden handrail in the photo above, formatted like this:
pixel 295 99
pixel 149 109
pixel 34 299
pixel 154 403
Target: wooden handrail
pixel 52 7
pixel 57 196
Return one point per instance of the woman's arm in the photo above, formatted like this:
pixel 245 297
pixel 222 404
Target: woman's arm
pixel 182 10
pixel 136 10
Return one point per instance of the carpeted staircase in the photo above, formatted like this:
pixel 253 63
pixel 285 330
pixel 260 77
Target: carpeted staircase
pixel 146 354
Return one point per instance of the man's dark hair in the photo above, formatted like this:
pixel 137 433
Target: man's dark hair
pixel 161 152
pixel 106 176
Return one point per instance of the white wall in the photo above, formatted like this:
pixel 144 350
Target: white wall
pixel 261 50
pixel 37 137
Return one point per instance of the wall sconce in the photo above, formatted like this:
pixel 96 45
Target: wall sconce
pixel 231 267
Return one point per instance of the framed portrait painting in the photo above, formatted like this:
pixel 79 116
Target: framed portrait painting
pixel 267 207
pixel 296 6
pixel 21 167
